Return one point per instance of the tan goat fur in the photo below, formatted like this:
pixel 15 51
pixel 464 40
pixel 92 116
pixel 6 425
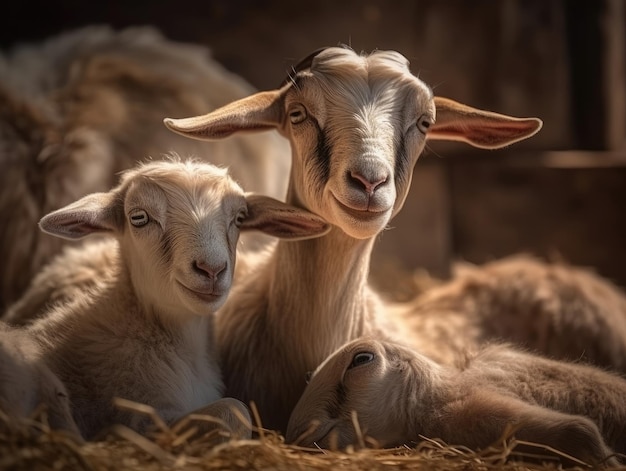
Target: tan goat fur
pixel 146 333
pixel 26 382
pixel 400 396
pixel 356 124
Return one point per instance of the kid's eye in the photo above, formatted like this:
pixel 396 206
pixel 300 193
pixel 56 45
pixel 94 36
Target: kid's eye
pixel 361 358
pixel 423 123
pixel 139 218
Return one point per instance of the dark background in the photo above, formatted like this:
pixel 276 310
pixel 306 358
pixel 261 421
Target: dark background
pixel 559 195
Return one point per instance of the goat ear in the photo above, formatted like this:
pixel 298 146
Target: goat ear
pixel 92 214
pixel 479 128
pixel 281 220
pixel 258 112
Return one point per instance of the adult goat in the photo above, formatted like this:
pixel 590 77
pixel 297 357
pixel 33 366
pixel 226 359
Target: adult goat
pixel 356 124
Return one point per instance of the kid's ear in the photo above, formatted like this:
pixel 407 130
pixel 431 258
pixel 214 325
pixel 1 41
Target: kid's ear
pixel 484 129
pixel 281 220
pixel 94 213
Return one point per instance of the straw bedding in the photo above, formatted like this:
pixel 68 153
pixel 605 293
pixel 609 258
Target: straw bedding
pixel 31 445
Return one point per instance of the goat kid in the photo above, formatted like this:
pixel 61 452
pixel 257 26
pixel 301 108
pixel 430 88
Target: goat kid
pixel 146 333
pixel 400 395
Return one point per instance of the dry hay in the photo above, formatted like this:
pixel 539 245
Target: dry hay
pixel 31 445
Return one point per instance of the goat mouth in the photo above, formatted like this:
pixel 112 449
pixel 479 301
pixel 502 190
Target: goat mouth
pixel 203 296
pixel 360 214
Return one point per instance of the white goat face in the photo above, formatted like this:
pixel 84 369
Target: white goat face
pixel 181 237
pixel 361 377
pixel 357 124
pixel 356 131
pixel 177 224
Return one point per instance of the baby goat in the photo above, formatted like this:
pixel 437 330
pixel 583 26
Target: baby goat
pixel 400 395
pixel 146 332
pixel 357 125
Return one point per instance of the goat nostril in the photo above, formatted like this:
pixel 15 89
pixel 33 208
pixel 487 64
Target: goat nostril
pixel 207 269
pixel 367 184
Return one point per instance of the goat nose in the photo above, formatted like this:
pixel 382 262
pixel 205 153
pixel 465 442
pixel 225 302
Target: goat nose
pixel 205 268
pixel 369 184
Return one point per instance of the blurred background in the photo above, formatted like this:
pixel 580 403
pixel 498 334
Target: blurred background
pixel 560 195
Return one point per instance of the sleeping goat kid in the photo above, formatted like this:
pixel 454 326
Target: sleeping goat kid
pixel 147 333
pixel 357 125
pixel 400 395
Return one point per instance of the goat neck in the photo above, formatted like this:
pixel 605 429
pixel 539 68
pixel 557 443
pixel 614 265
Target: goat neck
pixel 330 273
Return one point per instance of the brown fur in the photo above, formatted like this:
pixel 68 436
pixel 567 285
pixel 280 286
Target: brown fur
pixel 558 310
pixel 400 395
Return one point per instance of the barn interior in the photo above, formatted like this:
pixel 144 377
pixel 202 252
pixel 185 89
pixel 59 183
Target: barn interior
pixel 559 195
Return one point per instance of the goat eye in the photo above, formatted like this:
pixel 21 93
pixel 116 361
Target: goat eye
pixel 423 123
pixel 241 216
pixel 139 218
pixel 361 358
pixel 297 114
